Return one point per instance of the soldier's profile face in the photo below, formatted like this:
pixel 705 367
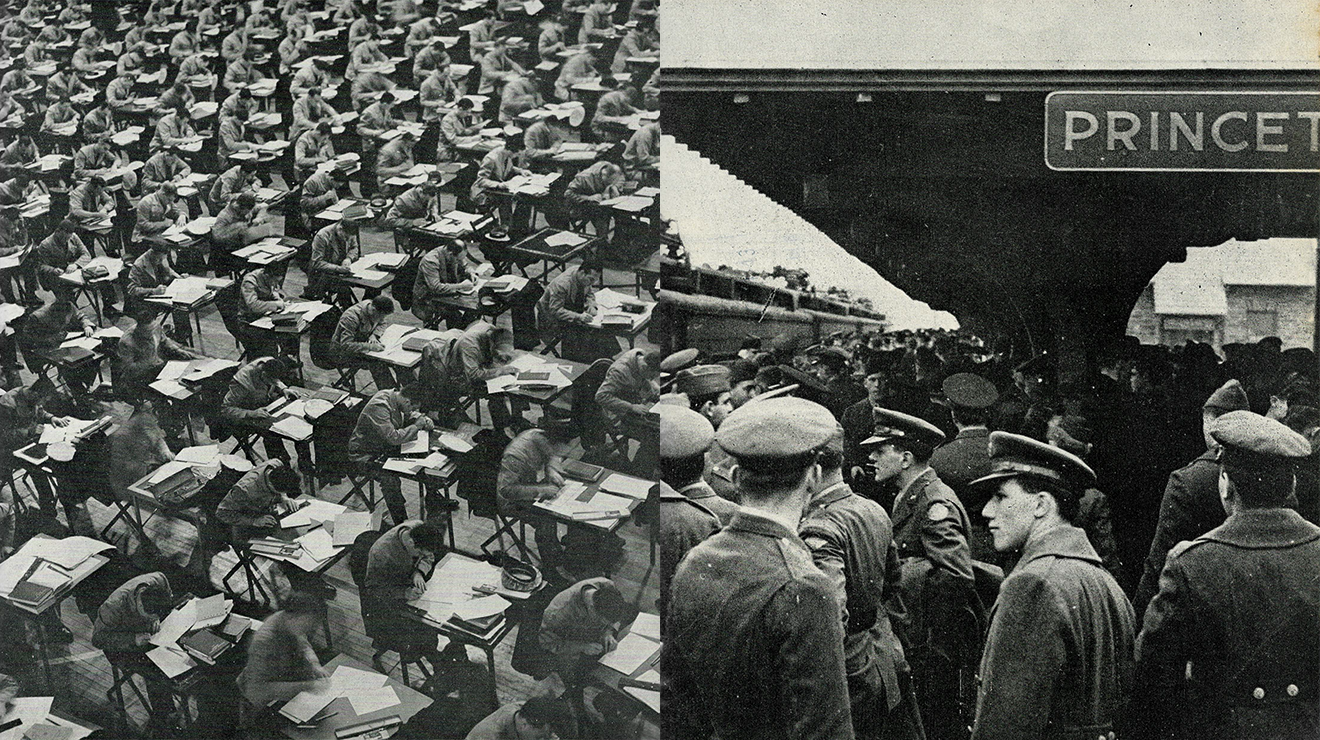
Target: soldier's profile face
pixel 887 460
pixel 1011 511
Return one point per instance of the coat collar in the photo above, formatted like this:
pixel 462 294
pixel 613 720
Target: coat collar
pixel 753 522
pixel 1063 541
pixel 917 484
pixel 837 492
pixel 1264 528
pixel 698 490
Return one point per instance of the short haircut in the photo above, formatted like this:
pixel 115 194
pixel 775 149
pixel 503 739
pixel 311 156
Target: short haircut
pixel 1068 502
pixel 1259 481
pixel 921 451
pixel 301 602
pixel 611 604
pixel 542 710
pixel 971 417
pixel 383 304
pixel 681 472
pixel 591 264
pixel 769 478
pixel 429 537
pixel 245 201
pixel 157 601
pixel 286 479
pixel 830 459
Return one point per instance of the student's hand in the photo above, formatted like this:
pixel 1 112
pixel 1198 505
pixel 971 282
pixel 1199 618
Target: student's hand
pixel 266 521
pixel 413 593
pixel 425 424
pixel 547 493
pixel 264 416
pixel 60 421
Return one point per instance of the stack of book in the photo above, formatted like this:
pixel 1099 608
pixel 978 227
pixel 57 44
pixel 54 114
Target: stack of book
pixel 40 584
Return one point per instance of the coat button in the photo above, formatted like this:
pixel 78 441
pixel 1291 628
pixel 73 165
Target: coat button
pixel 1259 693
pixel 1292 689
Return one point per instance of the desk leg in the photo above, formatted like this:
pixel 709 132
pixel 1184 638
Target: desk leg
pixel 494 687
pixel 44 651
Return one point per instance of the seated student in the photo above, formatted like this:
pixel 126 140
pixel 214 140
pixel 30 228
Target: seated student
pixel 312 147
pixel 234 135
pixel 150 275
pixel 173 128
pixel 333 248
pixel 531 470
pixel 609 122
pixel 366 87
pixel 582 623
pixel 63 253
pixel 441 272
pixel 388 420
pixel 534 719
pixel 309 110
pixel 58 116
pixel 177 94
pixel 365 53
pixel 319 191
pixel 237 225
pixel 641 155
pixel 481 35
pixel 521 93
pixel 45 329
pixel 241 178
pixel 421 34
pixel 186 42
pixel 355 336
pixel 162 167
pixel 568 304
pixel 242 72
pixel 395 158
pixel 417 206
pixel 254 506
pixel 551 40
pixel 239 100
pixel 255 386
pixel 261 291
pixel 155 213
pixel 282 660
pixel 457 127
pixel 438 90
pixel 541 140
pixel 377 118
pixel 119 93
pixel 597 23
pixel 138 447
pixel 94 158
pixel 497 68
pixel 64 84
pixel 314 76
pixel 124 624
pixel 498 167
pixel 601 181
pixel 580 68
pixel 631 385
pixel 132 60
pixel 433 56
pixel 640 41
pixel 89 203
pixel 142 352
pixel 397 568
pixel 234 45
pixel 452 369
pixel 195 71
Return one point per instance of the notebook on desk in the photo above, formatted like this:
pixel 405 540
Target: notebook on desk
pixel 585 472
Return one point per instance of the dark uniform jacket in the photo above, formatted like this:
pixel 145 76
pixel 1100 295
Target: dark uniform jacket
pixel 1058 657
pixel 930 523
pixel 851 541
pixel 1189 509
pixel 1241 603
pixel 684 523
pixel 960 461
pixel 702 493
pixel 754 643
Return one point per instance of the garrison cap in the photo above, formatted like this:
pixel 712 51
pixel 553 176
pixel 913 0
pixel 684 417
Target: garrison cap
pixel 895 426
pixel 683 432
pixel 703 380
pixel 1013 455
pixel 680 360
pixel 742 370
pixel 1262 437
pixel 775 429
pixel 674 399
pixel 1230 396
pixel 970 391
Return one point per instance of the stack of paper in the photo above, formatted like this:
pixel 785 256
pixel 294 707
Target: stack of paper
pixel 626 485
pixel 314 511
pixel 201 454
pixel 564 238
pixel 348 525
pixel 632 652
pixel 648 697
pixel 293 428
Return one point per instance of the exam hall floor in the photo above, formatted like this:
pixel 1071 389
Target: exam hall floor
pixel 81 674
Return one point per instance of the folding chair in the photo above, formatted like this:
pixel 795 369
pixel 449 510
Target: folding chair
pixel 504 524
pixel 119 676
pixel 363 484
pixel 247 561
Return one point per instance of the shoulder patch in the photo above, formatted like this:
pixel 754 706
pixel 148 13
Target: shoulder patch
pixel 938 511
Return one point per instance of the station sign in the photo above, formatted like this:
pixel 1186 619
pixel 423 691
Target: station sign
pixel 1183 131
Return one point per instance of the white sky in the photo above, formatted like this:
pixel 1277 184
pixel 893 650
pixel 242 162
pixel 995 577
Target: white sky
pixel 724 221
pixel 992 34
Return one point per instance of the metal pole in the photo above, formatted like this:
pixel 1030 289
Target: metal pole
pixel 1315 292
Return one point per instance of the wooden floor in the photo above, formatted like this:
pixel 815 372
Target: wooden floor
pixel 81 675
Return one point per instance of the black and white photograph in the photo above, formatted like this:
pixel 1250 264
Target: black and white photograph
pixel 1014 304
pixel 329 341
